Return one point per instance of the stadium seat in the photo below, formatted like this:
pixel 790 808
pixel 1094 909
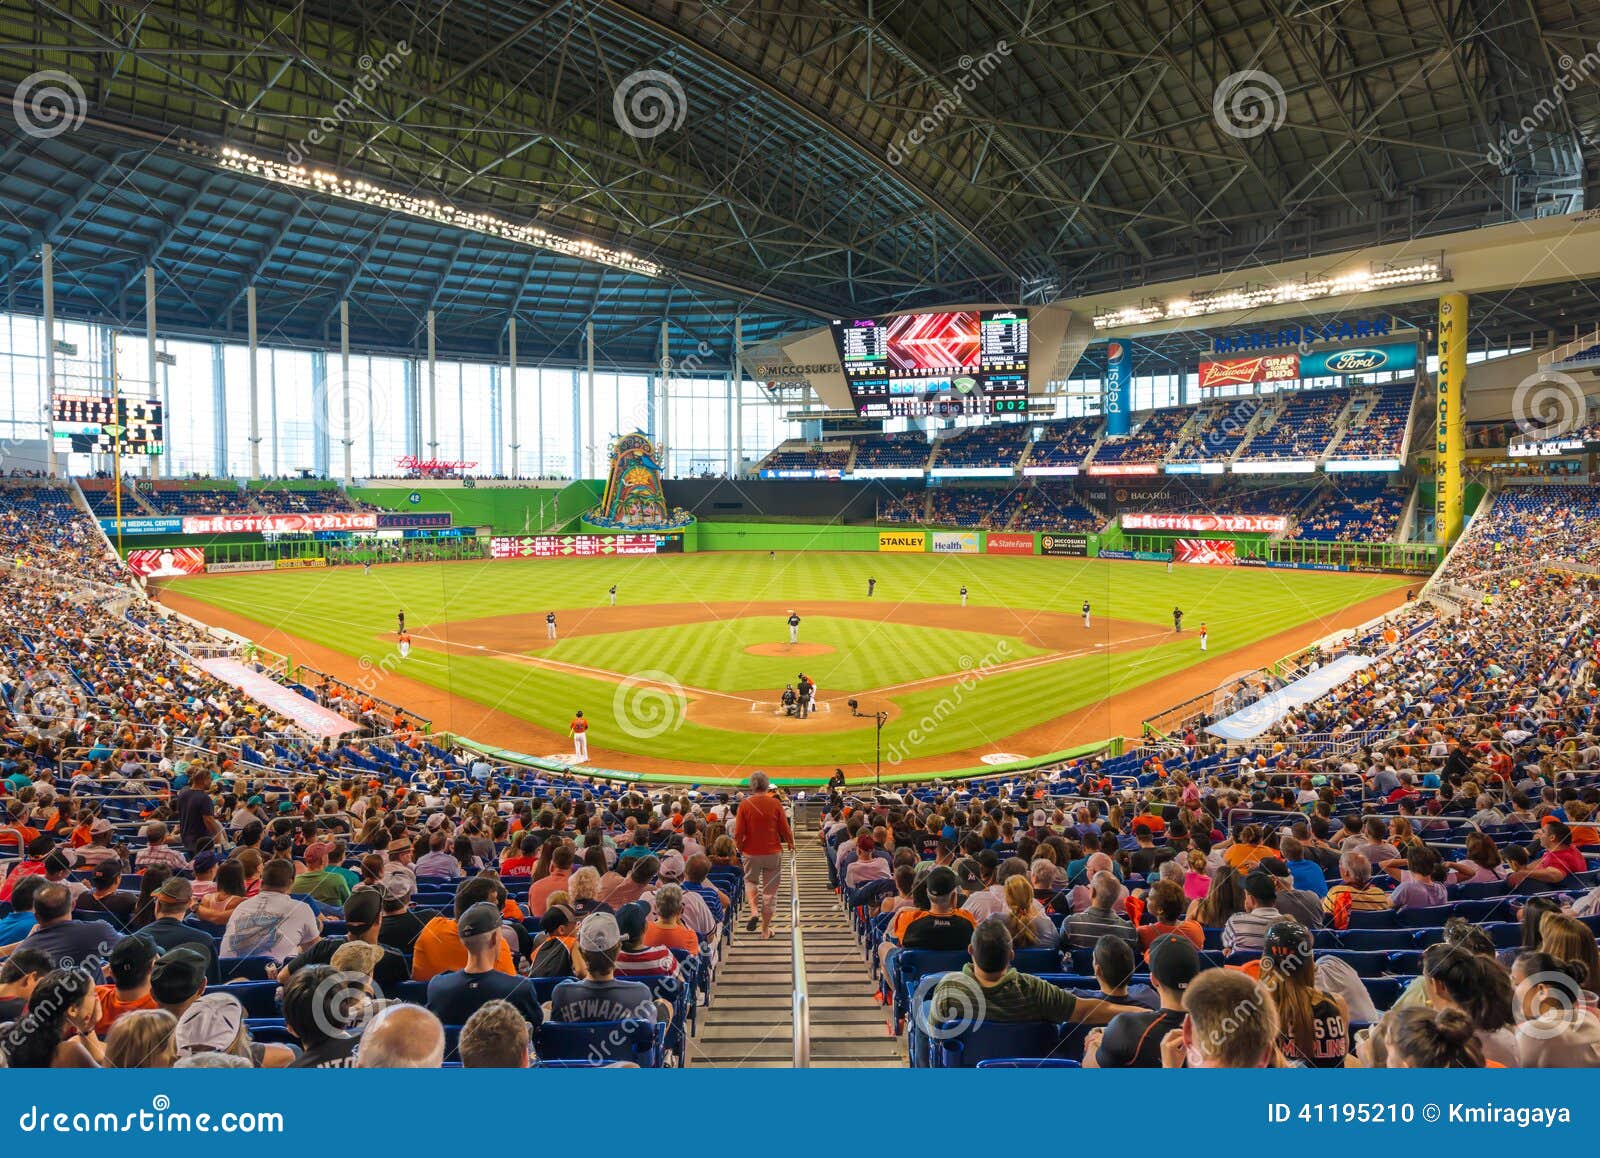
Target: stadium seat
pixel 639 1042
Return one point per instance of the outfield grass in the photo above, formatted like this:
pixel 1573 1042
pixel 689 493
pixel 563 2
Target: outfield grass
pixel 355 614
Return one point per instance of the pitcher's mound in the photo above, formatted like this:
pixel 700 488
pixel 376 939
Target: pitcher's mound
pixel 788 649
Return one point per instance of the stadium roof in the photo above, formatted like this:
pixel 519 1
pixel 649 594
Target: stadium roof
pixel 814 158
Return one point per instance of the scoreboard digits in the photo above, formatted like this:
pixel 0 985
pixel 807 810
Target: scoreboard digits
pixel 102 424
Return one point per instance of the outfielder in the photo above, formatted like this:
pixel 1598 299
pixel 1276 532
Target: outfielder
pixel 963 596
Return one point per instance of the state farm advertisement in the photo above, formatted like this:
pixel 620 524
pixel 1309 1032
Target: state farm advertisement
pixel 168 562
pixel 569 546
pixel 1226 524
pixel 1205 552
pixel 278 524
pixel 1008 543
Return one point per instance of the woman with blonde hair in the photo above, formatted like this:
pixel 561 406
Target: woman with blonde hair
pixel 1569 939
pixel 142 1040
pixel 1030 926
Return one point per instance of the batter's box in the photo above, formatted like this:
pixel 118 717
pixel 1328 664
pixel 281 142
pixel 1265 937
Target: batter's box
pixel 756 706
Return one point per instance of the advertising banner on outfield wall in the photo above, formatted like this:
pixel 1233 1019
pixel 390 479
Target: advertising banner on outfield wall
pixel 1138 556
pixel 413 519
pixel 167 562
pixel 1205 552
pixel 278 524
pixel 568 546
pixel 144 526
pixel 1227 524
pixel 300 563
pixel 242 565
pixel 902 540
pixel 1287 565
pixel 1008 543
pixel 955 542
pixel 1075 545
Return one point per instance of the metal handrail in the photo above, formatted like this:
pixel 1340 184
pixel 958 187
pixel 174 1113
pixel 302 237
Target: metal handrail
pixel 802 994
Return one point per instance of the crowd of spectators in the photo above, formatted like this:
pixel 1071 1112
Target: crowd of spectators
pixel 1152 442
pixel 1378 422
pixel 1358 513
pixel 808 456
pixel 907 451
pixel 998 444
pixel 1300 427
pixel 1066 442
pixel 1527 526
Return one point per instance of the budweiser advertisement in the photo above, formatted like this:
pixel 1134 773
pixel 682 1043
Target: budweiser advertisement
pixel 1206 552
pixel 1244 371
pixel 565 546
pixel 278 524
pixel 1226 524
pixel 1008 543
pixel 168 562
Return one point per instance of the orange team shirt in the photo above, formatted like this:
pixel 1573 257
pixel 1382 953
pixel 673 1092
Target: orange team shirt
pixel 539 892
pixel 678 937
pixel 111 1008
pixel 580 726
pixel 761 828
pixel 439 950
pixel 1243 857
pixel 901 921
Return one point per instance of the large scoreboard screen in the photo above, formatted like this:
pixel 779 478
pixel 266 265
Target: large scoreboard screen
pixel 100 424
pixel 938 364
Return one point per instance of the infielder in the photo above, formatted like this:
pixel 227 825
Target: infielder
pixel 550 625
pixel 963 596
pixel 1203 634
pixel 794 628
pixel 1086 613
pixel 405 645
pixel 580 737
pixel 613 594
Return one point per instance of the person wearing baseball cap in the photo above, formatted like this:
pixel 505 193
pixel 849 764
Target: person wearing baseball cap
pixel 364 924
pixel 1313 1026
pixel 105 894
pixel 933 921
pixel 130 964
pixel 99 850
pixel 456 995
pixel 601 995
pixel 319 882
pixel 1133 1040
pixel 173 901
pixel 1298 904
pixel 1246 932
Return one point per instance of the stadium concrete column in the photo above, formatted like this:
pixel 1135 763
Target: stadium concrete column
pixel 589 446
pixel 666 399
pixel 433 395
pixel 512 391
pixel 253 338
pixel 48 269
pixel 344 375
pixel 738 397
pixel 150 352
pixel 1116 394
pixel 1450 449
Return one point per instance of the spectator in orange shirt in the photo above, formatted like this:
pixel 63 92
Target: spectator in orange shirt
pixel 668 928
pixel 439 948
pixel 556 882
pixel 1246 852
pixel 130 961
pixel 761 831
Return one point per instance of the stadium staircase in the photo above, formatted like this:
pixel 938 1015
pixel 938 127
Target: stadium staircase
pixel 750 1023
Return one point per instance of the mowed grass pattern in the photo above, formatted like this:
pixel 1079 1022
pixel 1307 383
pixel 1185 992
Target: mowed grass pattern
pixel 355 614
pixel 866 654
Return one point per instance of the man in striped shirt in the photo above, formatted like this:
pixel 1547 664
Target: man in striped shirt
pixel 157 851
pixel 1246 932
pixel 1355 888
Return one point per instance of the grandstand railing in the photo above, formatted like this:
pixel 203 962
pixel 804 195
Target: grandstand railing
pixel 421 723
pixel 802 993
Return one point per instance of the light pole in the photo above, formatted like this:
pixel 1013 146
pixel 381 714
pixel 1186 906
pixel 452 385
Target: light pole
pixel 881 718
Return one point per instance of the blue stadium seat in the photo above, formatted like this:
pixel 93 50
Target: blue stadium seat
pixel 612 1041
